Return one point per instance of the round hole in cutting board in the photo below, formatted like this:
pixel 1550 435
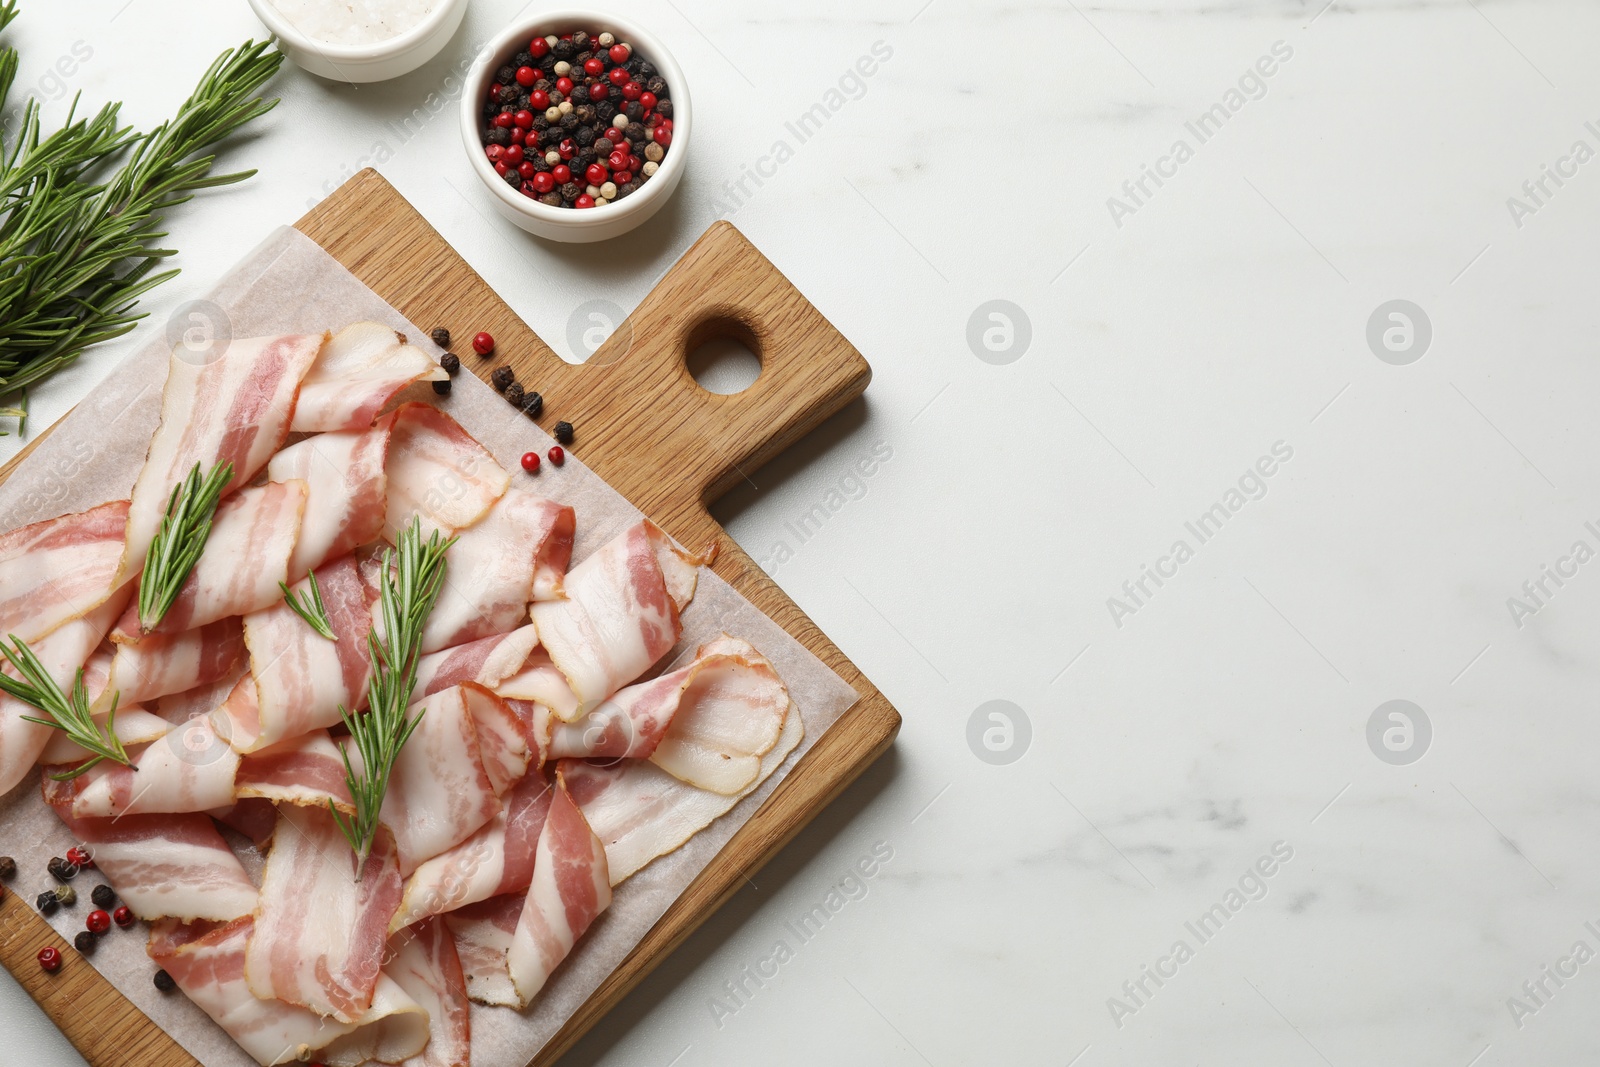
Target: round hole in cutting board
pixel 724 365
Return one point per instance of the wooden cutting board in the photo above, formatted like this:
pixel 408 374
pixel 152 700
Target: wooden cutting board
pixel 647 428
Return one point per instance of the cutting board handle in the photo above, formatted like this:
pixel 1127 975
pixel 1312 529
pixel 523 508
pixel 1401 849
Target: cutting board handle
pixel 722 287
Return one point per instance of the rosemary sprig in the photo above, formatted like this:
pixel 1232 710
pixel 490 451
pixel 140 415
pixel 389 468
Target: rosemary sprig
pixel 67 713
pixel 309 607
pixel 178 544
pixel 79 242
pixel 413 574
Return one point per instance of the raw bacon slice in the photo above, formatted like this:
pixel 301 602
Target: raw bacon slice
pixel 436 470
pixel 571 887
pixel 439 793
pixel 506 742
pixel 516 553
pixel 245 558
pixel 730 712
pixel 346 488
pixel 540 683
pixel 134 726
pixel 208 964
pixel 483 934
pixel 488 661
pixel 424 963
pixel 163 664
pixel 162 866
pixel 189 768
pixel 233 406
pixel 59 569
pixel 301 678
pixel 62 651
pixel 641 812
pixel 357 372
pixel 253 817
pixel 307 770
pixel 497 859
pixel 620 615
pixel 320 930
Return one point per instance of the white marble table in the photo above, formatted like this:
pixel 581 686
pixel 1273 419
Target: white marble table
pixel 1178 733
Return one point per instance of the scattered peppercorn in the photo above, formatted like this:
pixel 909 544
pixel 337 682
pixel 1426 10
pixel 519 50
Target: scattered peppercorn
pixel 530 462
pixel 502 377
pixel 8 868
pixel 61 870
pixel 123 916
pixel 441 336
pixel 450 362
pixel 103 897
pixel 514 394
pixel 557 454
pixel 67 896
pixel 564 432
pixel 50 959
pixel 79 856
pixel 47 903
pixel 603 98
pixel 84 942
pixel 532 405
pixel 98 921
pixel 442 387
pixel 483 344
pixel 164 982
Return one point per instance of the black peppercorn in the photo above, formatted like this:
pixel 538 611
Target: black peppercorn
pixel 442 387
pixel 636 132
pixel 47 903
pixel 580 40
pixel 634 110
pixel 551 199
pixel 502 377
pixel 584 136
pixel 506 75
pixel 564 432
pixel 441 336
pixel 605 111
pixel 544 85
pixel 569 122
pixel 582 57
pixel 164 982
pixel 571 191
pixel 103 897
pixel 514 394
pixel 627 188
pixel 84 942
pixel 523 58
pixel 8 868
pixel 634 65
pixel 532 405
pixel 552 136
pixel 67 896
pixel 647 70
pixel 512 178
pixel 508 94
pixel 61 870
pixel 450 362
pixel 541 123
pixel 657 85
pixel 604 144
pixel 564 50
pixel 556 96
pixel 585 113
pixel 664 108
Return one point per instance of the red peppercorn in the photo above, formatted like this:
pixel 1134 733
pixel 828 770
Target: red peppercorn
pixel 526 76
pixel 500 168
pixel 561 174
pixel 663 135
pixel 647 100
pixel 526 189
pixel 79 857
pixel 594 65
pixel 539 99
pixel 596 174
pixel 123 916
pixel 619 53
pixel 513 154
pixel 634 162
pixel 530 462
pixel 619 76
pixel 622 177
pixel 98 921
pixel 50 959
pixel 503 120
pixel 558 455
pixel 538 47
pixel 482 344
pixel 584 201
pixel 494 93
pixel 618 160
pixel 566 148
pixel 564 85
pixel 526 169
pixel 632 91
pixel 665 124
pixel 494 152
pixel 544 181
pixel 598 91
pixel 523 118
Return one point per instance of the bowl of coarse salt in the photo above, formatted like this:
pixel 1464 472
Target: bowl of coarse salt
pixel 361 40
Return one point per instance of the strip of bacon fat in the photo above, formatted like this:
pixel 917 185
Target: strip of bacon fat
pixel 437 471
pixel 423 962
pixel 483 934
pixel 358 371
pixel 160 665
pixel 346 490
pixel 488 661
pixel 59 569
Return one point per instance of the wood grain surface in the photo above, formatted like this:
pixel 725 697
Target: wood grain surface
pixel 647 428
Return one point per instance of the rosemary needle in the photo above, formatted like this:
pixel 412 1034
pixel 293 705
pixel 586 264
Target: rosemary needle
pixel 178 544
pixel 309 607
pixel 68 713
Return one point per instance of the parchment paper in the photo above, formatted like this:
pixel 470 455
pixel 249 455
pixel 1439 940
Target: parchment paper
pixel 287 285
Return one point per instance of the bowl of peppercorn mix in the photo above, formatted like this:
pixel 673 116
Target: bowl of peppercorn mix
pixel 577 124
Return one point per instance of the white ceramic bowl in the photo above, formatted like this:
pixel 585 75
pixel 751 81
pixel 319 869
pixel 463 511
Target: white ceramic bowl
pixel 365 62
pixel 575 225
